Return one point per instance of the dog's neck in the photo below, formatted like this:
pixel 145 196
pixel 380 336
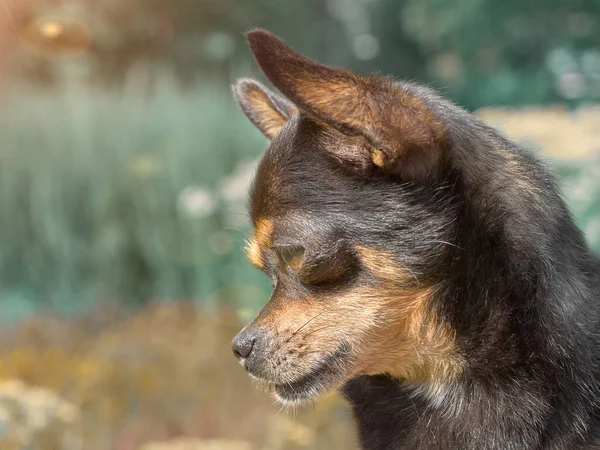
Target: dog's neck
pixel 515 413
pixel 531 360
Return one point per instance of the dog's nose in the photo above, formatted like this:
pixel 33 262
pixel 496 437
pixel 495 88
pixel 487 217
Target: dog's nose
pixel 244 342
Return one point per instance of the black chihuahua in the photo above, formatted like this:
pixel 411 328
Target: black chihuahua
pixel 421 263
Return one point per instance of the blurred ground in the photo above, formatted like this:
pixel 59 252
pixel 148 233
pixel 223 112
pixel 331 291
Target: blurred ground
pixel 163 374
pixel 163 377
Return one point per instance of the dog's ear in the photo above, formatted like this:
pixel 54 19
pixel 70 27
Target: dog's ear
pixel 404 137
pixel 266 110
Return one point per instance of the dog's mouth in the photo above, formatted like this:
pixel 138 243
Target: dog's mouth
pixel 326 376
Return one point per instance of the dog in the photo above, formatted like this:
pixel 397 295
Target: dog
pixel 421 263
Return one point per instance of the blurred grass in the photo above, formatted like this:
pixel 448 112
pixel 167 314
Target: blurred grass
pixel 116 195
pixel 138 193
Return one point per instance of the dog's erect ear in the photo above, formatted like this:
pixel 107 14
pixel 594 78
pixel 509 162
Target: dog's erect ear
pixel 404 137
pixel 265 109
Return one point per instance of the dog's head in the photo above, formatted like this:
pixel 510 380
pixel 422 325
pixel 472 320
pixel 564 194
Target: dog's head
pixel 351 217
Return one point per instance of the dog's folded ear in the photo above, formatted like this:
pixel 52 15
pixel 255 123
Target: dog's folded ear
pixel 266 110
pixel 404 137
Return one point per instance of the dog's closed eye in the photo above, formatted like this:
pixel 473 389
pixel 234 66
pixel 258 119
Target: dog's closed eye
pixel 291 257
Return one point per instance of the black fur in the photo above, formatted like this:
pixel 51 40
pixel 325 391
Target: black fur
pixel 517 283
pixel 514 278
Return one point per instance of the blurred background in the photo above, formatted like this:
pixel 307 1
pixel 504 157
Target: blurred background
pixel 124 164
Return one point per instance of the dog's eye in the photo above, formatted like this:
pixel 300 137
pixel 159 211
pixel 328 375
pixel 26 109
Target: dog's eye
pixel 291 256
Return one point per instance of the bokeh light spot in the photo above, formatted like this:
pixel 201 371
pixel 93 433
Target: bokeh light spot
pixel 365 46
pixel 51 29
pixel 56 37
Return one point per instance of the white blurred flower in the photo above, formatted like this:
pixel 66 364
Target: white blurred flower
pixel 26 412
pixel 560 60
pixel 196 201
pixel 590 61
pixel 365 46
pixel 571 85
pixel 234 188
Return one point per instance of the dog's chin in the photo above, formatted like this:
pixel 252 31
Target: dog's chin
pixel 329 375
pixel 303 390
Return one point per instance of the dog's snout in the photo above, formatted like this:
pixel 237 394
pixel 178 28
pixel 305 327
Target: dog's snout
pixel 243 344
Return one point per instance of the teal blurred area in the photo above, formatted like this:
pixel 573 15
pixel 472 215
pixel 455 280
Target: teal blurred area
pixel 124 168
pixel 114 195
pixel 124 160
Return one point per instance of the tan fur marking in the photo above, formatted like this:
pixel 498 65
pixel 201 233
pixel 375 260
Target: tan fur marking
pixel 414 344
pixel 378 158
pixel 254 254
pixel 263 230
pixel 260 239
pixel 404 339
pixel 383 265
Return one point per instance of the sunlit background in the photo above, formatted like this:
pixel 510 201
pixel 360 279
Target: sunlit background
pixel 124 165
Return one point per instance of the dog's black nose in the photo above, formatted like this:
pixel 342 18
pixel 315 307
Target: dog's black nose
pixel 244 342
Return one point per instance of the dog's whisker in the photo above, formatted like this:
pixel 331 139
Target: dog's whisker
pixel 304 325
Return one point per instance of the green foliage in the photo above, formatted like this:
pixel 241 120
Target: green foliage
pixel 123 170
pixel 509 52
pixel 115 196
pixel 483 52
